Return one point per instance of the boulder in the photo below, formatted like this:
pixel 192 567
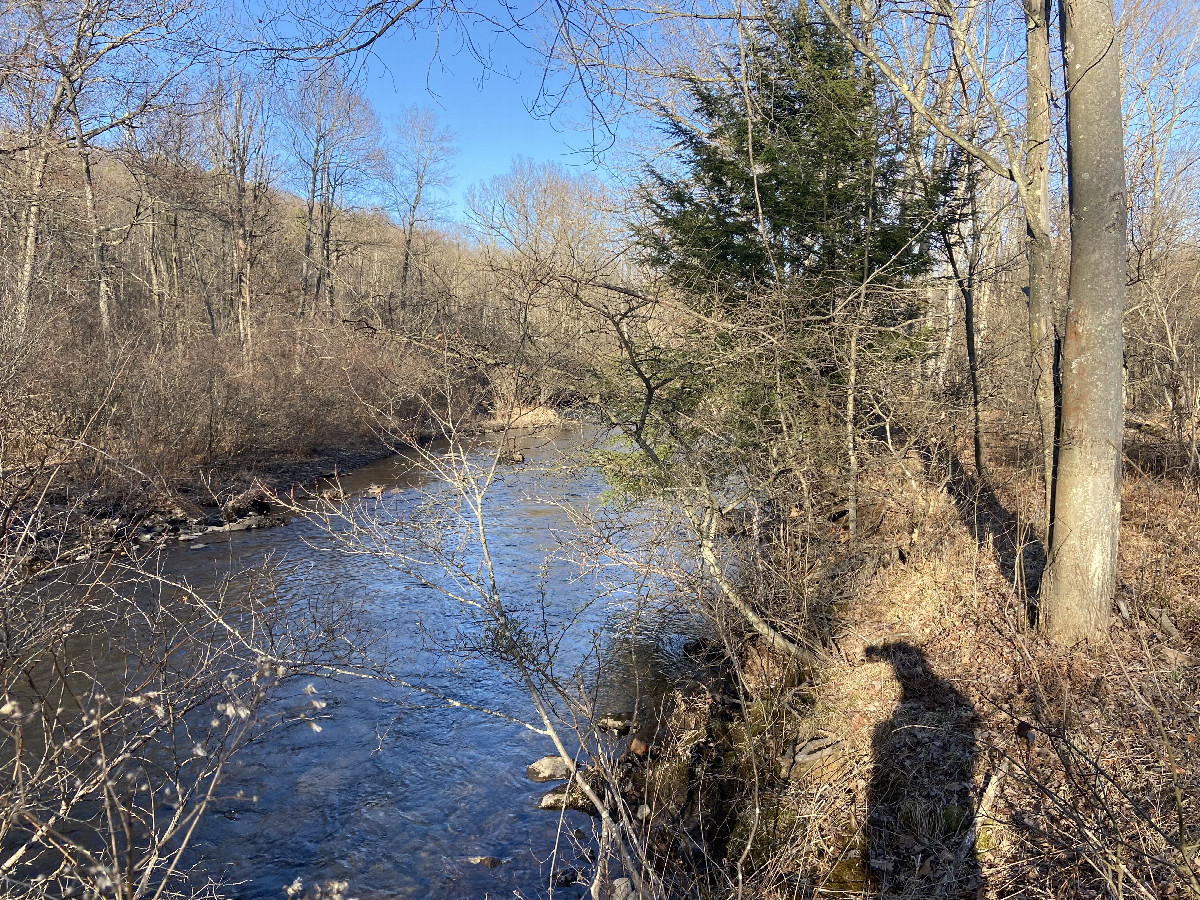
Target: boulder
pixel 567 796
pixel 821 760
pixel 548 768
pixel 765 671
pixel 488 862
pixel 667 784
pixel 252 502
pixel 567 877
pixel 619 724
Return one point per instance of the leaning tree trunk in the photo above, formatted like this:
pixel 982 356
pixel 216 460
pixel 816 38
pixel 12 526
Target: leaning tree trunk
pixel 1039 248
pixel 1082 572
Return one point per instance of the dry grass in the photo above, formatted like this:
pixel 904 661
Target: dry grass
pixel 1088 759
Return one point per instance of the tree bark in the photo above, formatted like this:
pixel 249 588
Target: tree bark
pixel 176 296
pixel 325 272
pixel 96 229
pixel 967 282
pixel 310 205
pixel 1082 571
pixel 1039 248
pixel 406 263
pixel 37 161
pixel 154 269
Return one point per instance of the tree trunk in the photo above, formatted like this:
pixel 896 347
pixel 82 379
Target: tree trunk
pixel 966 289
pixel 851 437
pixel 103 281
pixel 176 297
pixel 37 160
pixel 1039 247
pixel 405 265
pixel 1082 571
pixel 99 261
pixel 156 276
pixel 325 273
pixel 241 257
pixel 243 298
pixel 310 205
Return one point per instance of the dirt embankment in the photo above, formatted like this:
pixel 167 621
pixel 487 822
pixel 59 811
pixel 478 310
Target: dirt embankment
pixel 943 748
pixel 74 518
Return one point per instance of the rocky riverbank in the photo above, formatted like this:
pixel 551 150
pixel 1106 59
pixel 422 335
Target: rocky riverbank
pixel 79 522
pixel 75 520
pixel 694 775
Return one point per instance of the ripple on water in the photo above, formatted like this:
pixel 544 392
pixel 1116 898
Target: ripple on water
pixel 390 798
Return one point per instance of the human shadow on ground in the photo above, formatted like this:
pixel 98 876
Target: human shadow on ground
pixel 1018 552
pixel 921 799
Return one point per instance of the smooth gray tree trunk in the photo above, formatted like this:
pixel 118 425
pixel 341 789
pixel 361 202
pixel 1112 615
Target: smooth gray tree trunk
pixel 1039 247
pixel 1082 573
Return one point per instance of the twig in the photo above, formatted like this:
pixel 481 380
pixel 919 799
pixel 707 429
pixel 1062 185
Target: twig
pixel 982 813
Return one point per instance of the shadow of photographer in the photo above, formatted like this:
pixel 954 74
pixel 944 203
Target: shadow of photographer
pixel 921 799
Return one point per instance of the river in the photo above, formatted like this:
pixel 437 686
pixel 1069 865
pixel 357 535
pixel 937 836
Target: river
pixel 396 793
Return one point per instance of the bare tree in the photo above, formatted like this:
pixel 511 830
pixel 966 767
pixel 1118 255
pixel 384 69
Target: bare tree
pixel 335 145
pixel 1038 241
pixel 1082 573
pixel 422 170
pixel 1162 109
pixel 84 70
pixel 239 135
pixel 545 233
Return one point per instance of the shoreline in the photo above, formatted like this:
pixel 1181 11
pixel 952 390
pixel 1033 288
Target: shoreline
pixel 228 496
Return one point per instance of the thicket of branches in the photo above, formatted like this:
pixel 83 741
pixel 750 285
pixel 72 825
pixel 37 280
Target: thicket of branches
pixel 848 272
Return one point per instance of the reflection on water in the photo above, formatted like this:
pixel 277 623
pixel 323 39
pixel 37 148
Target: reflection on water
pixel 395 794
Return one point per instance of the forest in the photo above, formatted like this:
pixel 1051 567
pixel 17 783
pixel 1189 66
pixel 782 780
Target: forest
pixel 883 320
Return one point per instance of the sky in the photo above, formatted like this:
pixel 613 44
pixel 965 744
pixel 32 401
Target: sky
pixel 488 111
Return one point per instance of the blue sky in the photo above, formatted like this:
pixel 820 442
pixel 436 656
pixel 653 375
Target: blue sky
pixel 486 110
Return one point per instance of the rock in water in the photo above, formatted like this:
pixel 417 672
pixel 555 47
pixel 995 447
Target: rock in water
pixel 488 862
pixel 567 877
pixel 619 724
pixel 548 768
pixel 567 796
pixel 621 889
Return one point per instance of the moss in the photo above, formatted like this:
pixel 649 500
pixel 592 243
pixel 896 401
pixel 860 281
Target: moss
pixel 848 876
pixel 955 819
pixel 667 785
pixel 986 839
pixel 776 827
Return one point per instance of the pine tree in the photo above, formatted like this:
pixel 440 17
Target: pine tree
pixel 800 191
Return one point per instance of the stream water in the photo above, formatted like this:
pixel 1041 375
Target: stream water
pixel 395 794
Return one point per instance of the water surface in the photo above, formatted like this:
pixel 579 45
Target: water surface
pixel 396 793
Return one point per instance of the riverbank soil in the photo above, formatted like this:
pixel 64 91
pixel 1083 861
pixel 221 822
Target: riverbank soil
pixel 962 756
pixel 74 518
pixel 148 438
pixel 66 500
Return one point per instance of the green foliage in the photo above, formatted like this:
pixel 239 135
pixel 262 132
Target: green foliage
pixel 803 188
pixel 727 405
pixel 790 225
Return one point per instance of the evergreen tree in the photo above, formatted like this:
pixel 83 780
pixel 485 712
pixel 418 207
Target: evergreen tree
pixel 802 190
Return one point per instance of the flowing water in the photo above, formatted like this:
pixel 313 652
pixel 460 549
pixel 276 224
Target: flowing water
pixel 396 793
